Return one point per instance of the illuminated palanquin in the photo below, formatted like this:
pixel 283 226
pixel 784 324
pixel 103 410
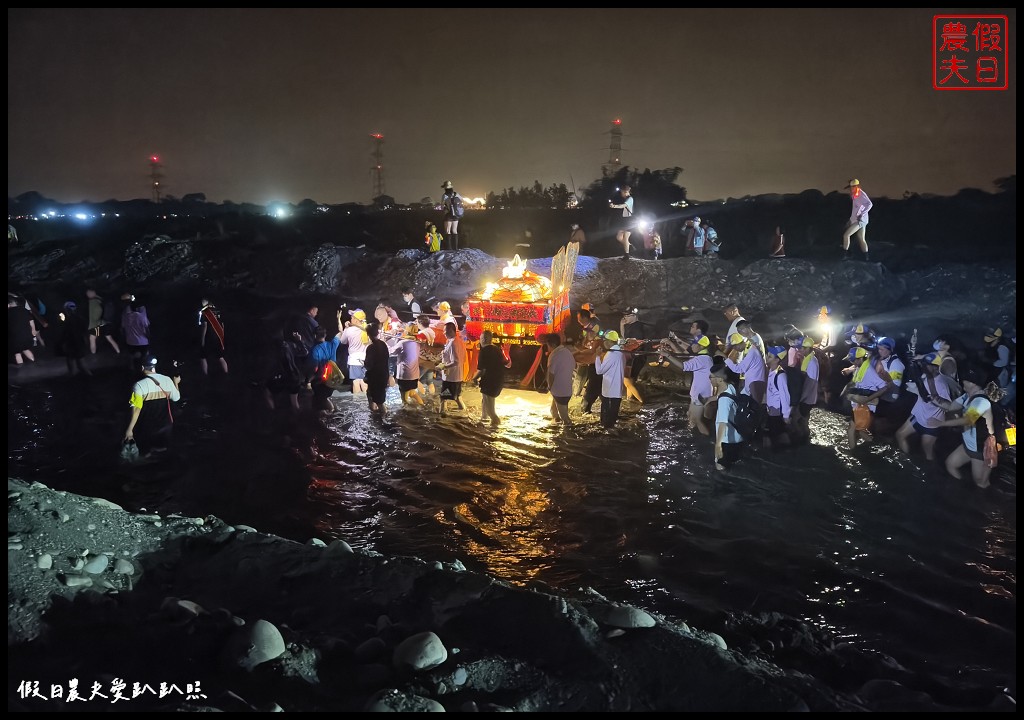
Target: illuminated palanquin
pixel 520 307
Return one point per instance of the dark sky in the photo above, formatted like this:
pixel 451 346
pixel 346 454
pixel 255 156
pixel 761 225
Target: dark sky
pixel 263 105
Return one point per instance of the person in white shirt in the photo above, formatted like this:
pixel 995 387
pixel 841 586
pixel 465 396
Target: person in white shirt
pixel 729 443
pixel 732 314
pixel 410 302
pixel 611 366
pixel 750 366
pixel 354 336
pixel 977 444
pixel 561 371
pixel 624 202
pixel 777 399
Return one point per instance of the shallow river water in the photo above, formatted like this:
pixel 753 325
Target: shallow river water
pixel 862 569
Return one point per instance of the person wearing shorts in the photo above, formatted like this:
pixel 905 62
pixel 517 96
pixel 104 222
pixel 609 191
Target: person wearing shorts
pixel 453 360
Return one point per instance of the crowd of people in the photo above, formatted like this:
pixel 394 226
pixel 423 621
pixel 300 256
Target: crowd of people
pixel 745 391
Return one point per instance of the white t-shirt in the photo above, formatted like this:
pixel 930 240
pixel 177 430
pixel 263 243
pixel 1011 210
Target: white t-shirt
pixel 977 408
pixel 353 337
pixel 611 368
pixel 561 367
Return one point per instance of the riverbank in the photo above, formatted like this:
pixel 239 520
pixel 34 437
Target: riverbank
pixel 247 621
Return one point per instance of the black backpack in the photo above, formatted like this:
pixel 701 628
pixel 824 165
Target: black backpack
pixel 749 415
pixel 1001 422
pixel 109 311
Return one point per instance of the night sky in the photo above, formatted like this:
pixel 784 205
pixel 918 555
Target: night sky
pixel 264 105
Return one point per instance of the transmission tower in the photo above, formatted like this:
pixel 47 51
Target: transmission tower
pixel 377 171
pixel 614 149
pixel 155 176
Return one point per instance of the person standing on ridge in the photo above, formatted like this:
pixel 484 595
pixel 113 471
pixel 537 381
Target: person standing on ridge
pixel 624 202
pixel 778 249
pixel 453 211
pixel 858 223
pixel 576 235
pixel 433 238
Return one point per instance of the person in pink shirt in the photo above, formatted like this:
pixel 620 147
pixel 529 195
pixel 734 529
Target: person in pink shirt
pixel 858 223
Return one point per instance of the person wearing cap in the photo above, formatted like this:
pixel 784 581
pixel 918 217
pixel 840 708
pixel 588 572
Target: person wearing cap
pixel 444 314
pixel 701 392
pixel 865 387
pixel 624 202
pixel 744 328
pixel 610 364
pixel 858 223
pixel 729 444
pixel 810 367
pixel 933 401
pixel 777 399
pixel 354 337
pixel 749 363
pixel 978 444
pixel 891 369
pixel 452 203
pixel 947 364
pixel 861 335
pixel 152 420
pixel 72 339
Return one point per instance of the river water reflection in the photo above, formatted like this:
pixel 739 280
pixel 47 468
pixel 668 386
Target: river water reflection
pixel 853 569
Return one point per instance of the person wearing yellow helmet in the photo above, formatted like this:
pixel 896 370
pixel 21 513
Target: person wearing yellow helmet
pixel 354 337
pixel 933 401
pixel 701 392
pixel 610 364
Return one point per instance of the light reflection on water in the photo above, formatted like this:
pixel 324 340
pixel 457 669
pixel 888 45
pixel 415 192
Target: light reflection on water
pixel 873 548
pixel 866 547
